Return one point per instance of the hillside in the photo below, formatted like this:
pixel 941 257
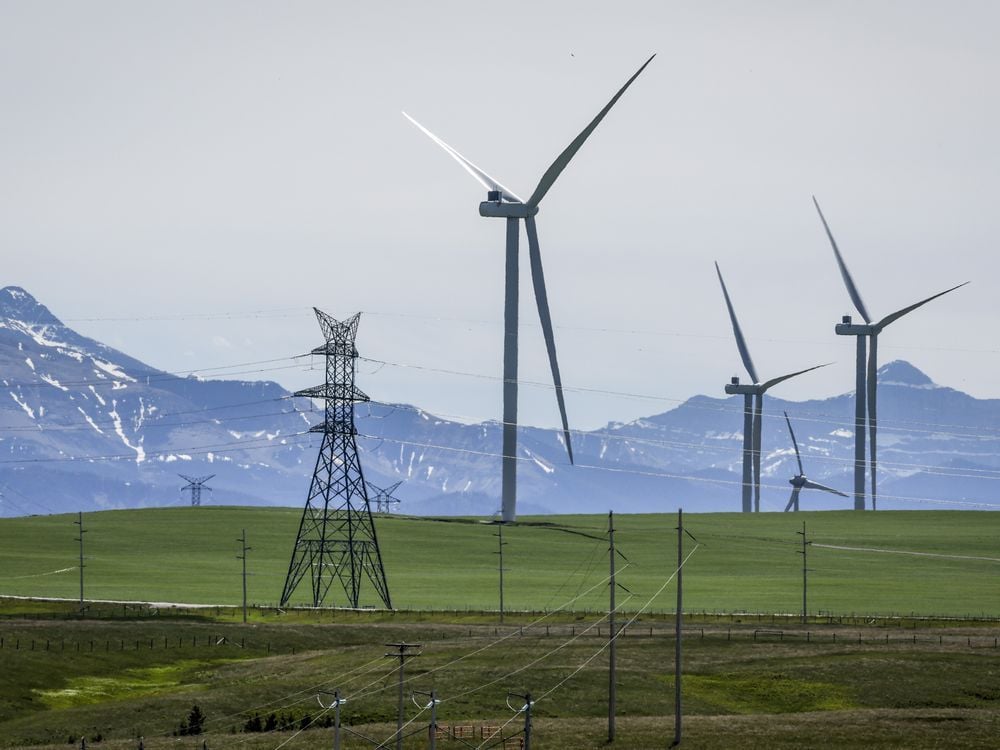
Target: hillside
pixel 927 562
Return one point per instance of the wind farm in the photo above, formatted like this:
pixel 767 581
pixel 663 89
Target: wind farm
pixel 488 526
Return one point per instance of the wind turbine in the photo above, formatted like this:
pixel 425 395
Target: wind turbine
pixel 753 407
pixel 799 481
pixel 503 203
pixel 866 383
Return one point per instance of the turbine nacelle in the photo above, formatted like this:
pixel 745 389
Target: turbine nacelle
pixel 847 328
pixel 735 389
pixel 501 210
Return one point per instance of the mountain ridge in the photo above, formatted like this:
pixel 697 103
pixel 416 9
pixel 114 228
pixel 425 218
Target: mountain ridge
pixel 85 426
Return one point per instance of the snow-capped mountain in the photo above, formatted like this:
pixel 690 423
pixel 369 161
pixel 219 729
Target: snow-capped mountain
pixel 937 447
pixel 83 426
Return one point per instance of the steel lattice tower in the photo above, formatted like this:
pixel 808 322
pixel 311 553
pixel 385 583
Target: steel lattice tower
pixel 195 485
pixel 336 539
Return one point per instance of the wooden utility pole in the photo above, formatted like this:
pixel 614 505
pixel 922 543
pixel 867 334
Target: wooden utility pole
pixel 337 701
pixel 612 635
pixel 528 703
pixel 678 628
pixel 432 705
pixel 402 653
pixel 243 556
pixel 79 522
pixel 805 570
pixel 500 546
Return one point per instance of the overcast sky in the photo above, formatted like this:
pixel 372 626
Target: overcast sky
pixel 185 180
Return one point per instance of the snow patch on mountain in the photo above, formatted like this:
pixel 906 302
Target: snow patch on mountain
pixel 27 409
pixel 90 421
pixel 53 382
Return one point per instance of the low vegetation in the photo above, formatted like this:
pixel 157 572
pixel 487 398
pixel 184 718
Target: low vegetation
pixel 900 648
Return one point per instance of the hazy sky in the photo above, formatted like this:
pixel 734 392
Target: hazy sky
pixel 185 180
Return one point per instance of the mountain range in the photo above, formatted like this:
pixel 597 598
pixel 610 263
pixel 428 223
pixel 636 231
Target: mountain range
pixel 84 427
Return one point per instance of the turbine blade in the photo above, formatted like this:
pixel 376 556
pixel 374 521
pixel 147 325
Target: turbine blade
pixel 817 486
pixel 542 300
pixel 848 281
pixel 553 172
pixel 775 381
pixel 480 176
pixel 891 317
pixel 792 433
pixel 793 501
pixel 741 343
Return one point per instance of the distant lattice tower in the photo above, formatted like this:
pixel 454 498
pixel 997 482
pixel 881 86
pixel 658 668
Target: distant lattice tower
pixel 336 538
pixel 383 497
pixel 195 485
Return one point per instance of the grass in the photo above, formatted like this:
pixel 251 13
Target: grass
pixel 744 563
pixel 737 692
pixel 127 670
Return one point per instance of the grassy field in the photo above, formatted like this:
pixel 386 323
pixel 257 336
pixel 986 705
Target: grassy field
pixel 928 563
pixel 114 681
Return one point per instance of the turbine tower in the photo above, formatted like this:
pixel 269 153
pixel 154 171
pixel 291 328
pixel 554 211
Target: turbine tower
pixel 195 485
pixel 504 204
pixel 800 481
pixel 865 383
pixel 753 408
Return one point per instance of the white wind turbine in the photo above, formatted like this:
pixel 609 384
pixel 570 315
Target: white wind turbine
pixel 503 203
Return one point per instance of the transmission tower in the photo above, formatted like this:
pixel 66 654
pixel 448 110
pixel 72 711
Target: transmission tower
pixel 336 539
pixel 384 499
pixel 195 485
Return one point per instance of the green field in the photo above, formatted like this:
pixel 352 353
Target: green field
pixel 936 563
pixel 116 680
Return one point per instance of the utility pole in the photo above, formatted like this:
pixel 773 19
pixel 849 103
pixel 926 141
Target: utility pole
pixel 805 570
pixel 402 653
pixel 432 730
pixel 500 546
pixel 526 708
pixel 79 522
pixel 678 629
pixel 337 701
pixel 613 635
pixel 243 542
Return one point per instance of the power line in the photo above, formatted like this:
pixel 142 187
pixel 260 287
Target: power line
pixel 724 405
pixel 667 475
pixel 724 449
pixel 299 312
